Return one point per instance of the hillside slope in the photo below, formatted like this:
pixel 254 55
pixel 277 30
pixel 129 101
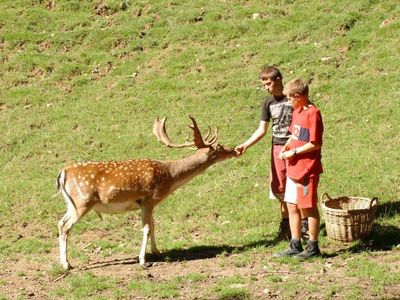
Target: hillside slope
pixel 84 80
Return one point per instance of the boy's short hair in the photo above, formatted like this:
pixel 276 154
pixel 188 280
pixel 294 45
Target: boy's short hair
pixel 270 72
pixel 296 86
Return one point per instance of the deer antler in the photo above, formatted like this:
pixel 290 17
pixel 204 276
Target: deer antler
pixel 214 138
pixel 161 134
pixel 198 140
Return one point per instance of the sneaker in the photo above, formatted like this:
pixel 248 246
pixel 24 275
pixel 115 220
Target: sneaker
pixel 295 248
pixel 284 231
pixel 312 250
pixel 305 236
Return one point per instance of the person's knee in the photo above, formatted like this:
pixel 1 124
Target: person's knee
pixel 292 208
pixel 310 212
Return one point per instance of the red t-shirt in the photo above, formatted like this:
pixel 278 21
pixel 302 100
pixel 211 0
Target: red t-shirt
pixel 306 127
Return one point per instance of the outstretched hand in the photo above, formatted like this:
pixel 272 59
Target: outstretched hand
pixel 240 150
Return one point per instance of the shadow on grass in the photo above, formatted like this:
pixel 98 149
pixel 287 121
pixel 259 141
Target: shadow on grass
pixel 388 210
pixel 382 238
pixel 204 252
pixel 176 255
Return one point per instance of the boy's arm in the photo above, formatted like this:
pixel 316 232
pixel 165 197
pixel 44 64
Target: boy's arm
pixel 309 147
pixel 285 148
pixel 256 136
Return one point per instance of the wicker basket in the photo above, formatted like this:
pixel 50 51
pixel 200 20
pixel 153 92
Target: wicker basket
pixel 348 218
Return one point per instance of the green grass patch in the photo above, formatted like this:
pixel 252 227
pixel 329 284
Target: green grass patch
pixel 149 288
pixel 33 246
pixel 231 288
pixel 380 274
pixel 84 286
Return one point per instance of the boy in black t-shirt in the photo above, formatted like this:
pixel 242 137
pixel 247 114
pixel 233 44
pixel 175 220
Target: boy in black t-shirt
pixel 278 110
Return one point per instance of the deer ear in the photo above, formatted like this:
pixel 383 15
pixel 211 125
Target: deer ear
pixel 219 147
pixel 213 147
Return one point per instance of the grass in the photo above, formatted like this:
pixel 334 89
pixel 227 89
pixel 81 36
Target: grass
pixel 165 289
pixel 85 286
pixel 160 289
pixel 231 288
pixel 86 80
pixel 380 274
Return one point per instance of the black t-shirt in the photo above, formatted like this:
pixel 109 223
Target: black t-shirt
pixel 280 111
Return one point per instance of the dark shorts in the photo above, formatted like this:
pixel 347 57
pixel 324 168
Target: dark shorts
pixel 277 173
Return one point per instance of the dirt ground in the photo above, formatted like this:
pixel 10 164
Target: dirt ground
pixel 32 279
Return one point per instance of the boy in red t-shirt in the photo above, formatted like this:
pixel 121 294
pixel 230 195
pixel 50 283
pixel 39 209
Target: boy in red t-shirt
pixel 303 152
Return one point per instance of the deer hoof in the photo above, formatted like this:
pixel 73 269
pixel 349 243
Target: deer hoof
pixel 67 266
pixel 147 265
pixel 156 252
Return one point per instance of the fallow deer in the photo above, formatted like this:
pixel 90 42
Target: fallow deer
pixel 120 186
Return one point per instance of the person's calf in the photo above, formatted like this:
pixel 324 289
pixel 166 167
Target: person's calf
pixel 305 235
pixel 284 231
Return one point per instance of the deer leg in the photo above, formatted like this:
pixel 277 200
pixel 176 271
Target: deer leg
pixel 154 249
pixel 70 218
pixel 146 222
pixel 65 224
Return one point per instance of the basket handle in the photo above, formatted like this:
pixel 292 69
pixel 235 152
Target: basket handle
pixel 325 197
pixel 373 200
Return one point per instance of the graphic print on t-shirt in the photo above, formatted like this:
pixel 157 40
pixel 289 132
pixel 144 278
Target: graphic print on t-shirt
pixel 279 111
pixel 281 114
pixel 300 133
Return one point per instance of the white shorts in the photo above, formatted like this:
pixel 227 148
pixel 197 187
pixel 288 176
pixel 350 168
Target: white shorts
pixel 290 191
